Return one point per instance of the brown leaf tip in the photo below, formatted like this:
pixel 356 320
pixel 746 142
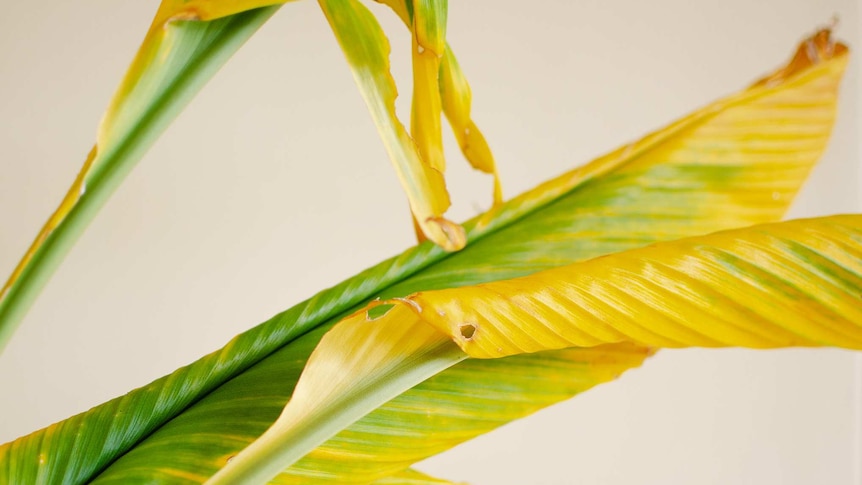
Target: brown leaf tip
pixel 818 48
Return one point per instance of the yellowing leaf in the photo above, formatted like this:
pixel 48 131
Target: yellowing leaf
pixel 466 400
pixel 177 57
pixel 367 51
pixel 764 139
pixel 456 98
pixel 793 115
pixel 788 284
pixel 429 43
pixel 191 422
pixel 173 10
pixel 368 359
pixel 457 105
pixel 412 477
pixel 387 357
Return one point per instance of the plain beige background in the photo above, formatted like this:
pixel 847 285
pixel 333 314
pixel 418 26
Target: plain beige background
pixel 273 185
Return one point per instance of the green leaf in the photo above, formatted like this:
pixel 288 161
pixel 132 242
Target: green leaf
pixel 176 59
pixel 712 170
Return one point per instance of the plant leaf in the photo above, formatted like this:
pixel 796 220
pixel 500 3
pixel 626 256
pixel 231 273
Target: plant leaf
pixel 429 45
pixel 469 399
pixel 174 10
pixel 387 355
pixel 457 100
pixel 777 285
pixel 681 181
pixel 175 60
pixel 412 477
pixel 367 51
pixel 791 284
pixel 457 105
pixel 387 358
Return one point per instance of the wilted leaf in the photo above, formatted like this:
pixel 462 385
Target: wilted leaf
pixel 709 171
pixel 367 51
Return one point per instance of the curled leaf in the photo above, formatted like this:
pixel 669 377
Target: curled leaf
pixel 777 285
pixel 367 51
pixel 388 356
pixel 455 95
pixel 457 105
pixel 429 44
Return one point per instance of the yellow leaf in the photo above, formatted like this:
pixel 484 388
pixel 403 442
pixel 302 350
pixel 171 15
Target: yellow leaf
pixel 387 357
pixel 778 285
pixel 412 477
pixel 621 201
pixel 717 143
pixel 457 99
pixel 468 399
pixel 373 356
pixel 171 10
pixel 457 104
pixel 429 43
pixel 766 137
pixel 367 51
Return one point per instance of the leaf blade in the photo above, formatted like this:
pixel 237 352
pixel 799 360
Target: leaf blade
pixel 457 99
pixel 231 394
pixel 774 285
pixel 173 62
pixel 412 477
pixel 367 51
pixel 388 357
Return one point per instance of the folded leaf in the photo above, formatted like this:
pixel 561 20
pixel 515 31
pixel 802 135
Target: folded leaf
pixel 791 284
pixel 778 285
pixel 367 51
pixel 429 46
pixel 184 427
pixel 387 358
pixel 457 105
pixel 457 100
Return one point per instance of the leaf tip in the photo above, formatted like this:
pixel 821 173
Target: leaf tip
pixel 818 48
pixel 446 234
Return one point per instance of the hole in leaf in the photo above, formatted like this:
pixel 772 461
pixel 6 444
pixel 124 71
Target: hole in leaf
pixel 378 311
pixel 468 330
